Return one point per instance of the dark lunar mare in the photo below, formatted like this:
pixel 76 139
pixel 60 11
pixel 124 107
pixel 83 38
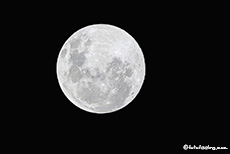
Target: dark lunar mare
pixel 123 88
pixel 77 59
pixel 63 53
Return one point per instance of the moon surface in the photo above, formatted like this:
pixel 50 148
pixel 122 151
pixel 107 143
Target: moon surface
pixel 100 68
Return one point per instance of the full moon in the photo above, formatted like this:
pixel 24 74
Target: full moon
pixel 100 68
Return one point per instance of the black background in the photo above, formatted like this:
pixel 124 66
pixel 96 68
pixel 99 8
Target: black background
pixel 183 47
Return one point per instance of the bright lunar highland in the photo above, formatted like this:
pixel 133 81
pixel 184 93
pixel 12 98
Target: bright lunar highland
pixel 100 68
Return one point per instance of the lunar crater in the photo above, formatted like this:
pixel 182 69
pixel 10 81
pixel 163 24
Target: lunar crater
pixel 96 70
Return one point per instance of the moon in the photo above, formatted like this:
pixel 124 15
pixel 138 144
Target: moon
pixel 100 68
